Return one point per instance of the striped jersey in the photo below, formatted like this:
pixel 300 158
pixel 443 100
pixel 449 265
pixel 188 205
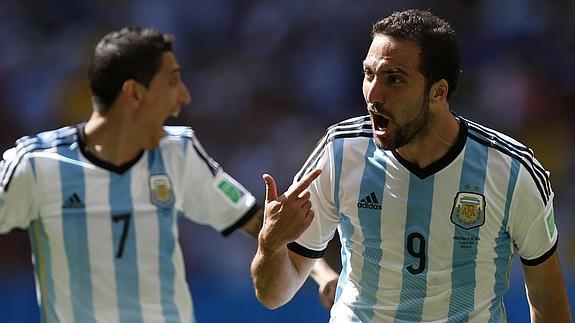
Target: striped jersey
pixel 105 238
pixel 433 244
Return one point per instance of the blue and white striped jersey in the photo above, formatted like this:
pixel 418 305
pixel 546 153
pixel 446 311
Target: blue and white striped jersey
pixel 104 238
pixel 432 244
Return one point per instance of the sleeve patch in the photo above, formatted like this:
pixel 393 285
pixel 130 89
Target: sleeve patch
pixel 229 190
pixel 550 220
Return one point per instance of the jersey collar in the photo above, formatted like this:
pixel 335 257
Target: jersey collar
pixel 99 162
pixel 443 161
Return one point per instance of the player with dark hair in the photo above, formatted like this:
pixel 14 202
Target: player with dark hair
pixel 430 207
pixel 101 199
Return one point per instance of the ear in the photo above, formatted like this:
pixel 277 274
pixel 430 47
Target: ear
pixel 133 92
pixel 438 91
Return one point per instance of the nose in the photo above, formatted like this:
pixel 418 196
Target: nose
pixel 185 97
pixel 375 107
pixel 373 91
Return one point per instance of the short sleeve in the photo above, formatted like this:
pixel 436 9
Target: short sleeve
pixel 532 219
pixel 17 202
pixel 313 242
pixel 211 196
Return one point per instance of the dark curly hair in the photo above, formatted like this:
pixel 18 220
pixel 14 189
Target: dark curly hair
pixel 440 58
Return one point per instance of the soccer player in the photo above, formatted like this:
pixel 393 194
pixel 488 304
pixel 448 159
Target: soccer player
pixel 430 207
pixel 101 199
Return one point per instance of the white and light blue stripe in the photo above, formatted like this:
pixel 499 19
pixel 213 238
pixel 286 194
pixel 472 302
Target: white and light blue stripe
pixel 418 218
pixel 75 238
pixel 370 223
pixel 464 262
pixel 167 245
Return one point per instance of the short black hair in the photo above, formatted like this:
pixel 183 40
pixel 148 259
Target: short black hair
pixel 129 53
pixel 440 57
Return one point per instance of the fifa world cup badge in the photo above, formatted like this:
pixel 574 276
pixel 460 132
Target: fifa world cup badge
pixel 468 210
pixel 161 193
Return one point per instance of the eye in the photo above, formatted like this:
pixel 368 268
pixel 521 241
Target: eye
pixel 393 79
pixel 368 74
pixel 175 79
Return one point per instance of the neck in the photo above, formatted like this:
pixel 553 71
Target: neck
pixel 434 142
pixel 111 138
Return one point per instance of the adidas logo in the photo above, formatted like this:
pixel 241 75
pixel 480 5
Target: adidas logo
pixel 369 202
pixel 73 202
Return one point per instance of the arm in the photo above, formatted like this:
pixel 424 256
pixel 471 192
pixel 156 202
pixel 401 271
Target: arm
pixel 546 292
pixel 18 206
pixel 278 273
pixel 322 273
pixel 327 279
pixel 253 226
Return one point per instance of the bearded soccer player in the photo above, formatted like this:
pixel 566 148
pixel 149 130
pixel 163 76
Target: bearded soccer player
pixel 430 207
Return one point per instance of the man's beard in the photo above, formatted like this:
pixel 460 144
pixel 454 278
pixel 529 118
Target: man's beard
pixel 407 133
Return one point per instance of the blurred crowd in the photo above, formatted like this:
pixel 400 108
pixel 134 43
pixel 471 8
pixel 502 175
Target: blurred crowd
pixel 267 78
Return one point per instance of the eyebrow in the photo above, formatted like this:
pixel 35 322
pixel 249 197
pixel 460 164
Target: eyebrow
pixel 389 70
pixel 176 70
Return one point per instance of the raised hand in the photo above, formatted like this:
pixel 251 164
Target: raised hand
pixel 287 216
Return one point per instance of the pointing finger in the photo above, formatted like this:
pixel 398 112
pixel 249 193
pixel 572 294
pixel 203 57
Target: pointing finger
pixel 300 186
pixel 271 190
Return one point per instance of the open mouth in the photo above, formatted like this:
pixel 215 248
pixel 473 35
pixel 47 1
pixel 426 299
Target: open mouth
pixel 380 123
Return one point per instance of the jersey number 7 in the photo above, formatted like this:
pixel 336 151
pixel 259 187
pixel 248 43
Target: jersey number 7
pixel 125 218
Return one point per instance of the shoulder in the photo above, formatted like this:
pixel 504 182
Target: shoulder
pixel 27 146
pixel 500 142
pixel 178 133
pixel 494 139
pixel 506 147
pixel 178 137
pixel 353 127
pixel 182 141
pixel 356 129
pixel 48 139
pixel 42 141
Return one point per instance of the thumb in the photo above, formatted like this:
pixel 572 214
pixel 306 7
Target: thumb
pixel 271 190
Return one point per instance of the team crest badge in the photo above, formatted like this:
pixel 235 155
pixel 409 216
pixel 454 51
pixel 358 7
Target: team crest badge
pixel 468 210
pixel 161 192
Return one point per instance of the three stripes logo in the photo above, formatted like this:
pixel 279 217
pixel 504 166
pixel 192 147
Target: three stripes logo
pixel 369 202
pixel 73 202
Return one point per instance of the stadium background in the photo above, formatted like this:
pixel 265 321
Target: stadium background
pixel 267 78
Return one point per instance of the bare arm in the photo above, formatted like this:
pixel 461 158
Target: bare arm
pixel 322 273
pixel 546 292
pixel 253 226
pixel 278 273
pixel 326 278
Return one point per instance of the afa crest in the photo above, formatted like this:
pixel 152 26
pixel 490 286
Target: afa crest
pixel 468 210
pixel 161 193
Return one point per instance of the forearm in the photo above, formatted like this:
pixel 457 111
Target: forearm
pixel 276 272
pixel 546 292
pixel 253 226
pixel 276 279
pixel 549 306
pixel 322 273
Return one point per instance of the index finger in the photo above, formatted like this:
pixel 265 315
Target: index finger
pixel 295 190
